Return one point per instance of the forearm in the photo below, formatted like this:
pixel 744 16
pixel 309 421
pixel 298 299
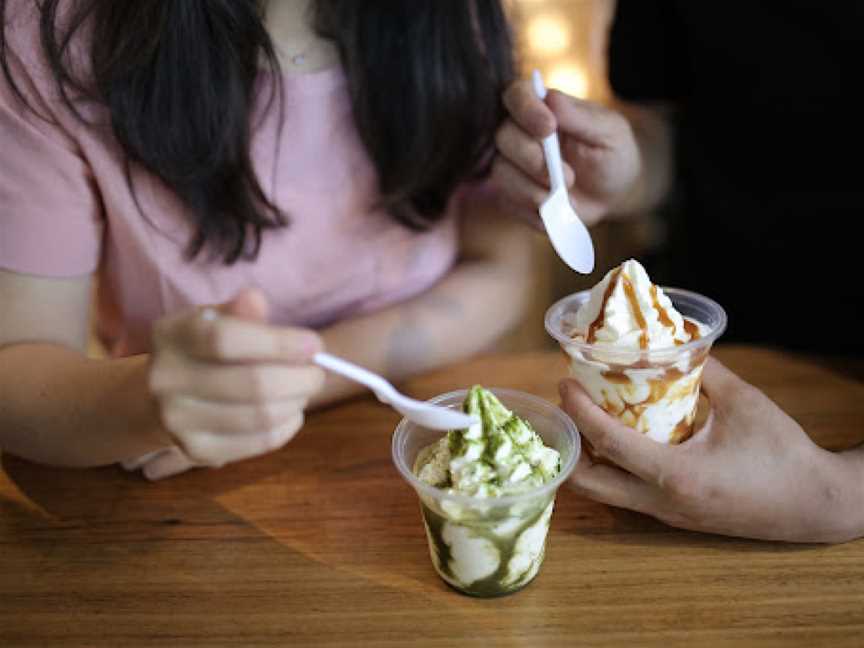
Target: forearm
pixel 826 501
pixel 481 299
pixel 58 407
pixel 652 128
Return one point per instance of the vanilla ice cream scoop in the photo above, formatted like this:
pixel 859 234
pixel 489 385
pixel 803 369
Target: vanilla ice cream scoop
pixel 626 310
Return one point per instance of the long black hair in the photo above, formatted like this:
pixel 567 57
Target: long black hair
pixel 179 79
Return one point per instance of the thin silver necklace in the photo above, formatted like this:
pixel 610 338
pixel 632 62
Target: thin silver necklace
pixel 300 57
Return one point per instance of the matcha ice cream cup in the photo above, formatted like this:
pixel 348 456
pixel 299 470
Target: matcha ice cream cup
pixel 493 545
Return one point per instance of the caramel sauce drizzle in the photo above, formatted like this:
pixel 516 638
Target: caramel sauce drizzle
pixel 630 291
pixel 617 377
pixel 601 316
pixel 662 313
pixel 683 431
pixel 659 388
pixel 692 329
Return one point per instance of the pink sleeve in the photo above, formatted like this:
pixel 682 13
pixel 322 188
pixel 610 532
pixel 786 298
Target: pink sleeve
pixel 50 211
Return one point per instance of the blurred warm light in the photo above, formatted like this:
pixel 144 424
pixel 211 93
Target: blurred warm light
pixel 570 78
pixel 548 34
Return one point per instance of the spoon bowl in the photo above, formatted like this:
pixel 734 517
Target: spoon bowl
pixel 567 232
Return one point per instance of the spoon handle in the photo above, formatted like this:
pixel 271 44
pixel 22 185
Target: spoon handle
pixel 354 372
pixel 551 146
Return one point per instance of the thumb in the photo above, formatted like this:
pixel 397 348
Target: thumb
pixel 249 304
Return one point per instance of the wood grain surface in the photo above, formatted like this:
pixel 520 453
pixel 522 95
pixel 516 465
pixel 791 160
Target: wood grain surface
pixel 321 544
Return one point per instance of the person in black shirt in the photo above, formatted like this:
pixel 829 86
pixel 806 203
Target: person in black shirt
pixel 767 127
pixel 740 123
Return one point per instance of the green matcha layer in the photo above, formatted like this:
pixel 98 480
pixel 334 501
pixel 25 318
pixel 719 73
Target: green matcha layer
pixel 479 559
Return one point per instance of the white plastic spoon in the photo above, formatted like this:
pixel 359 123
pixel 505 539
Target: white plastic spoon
pixel 425 414
pixel 431 416
pixel 568 233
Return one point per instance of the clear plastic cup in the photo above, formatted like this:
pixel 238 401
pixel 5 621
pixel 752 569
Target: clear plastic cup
pixel 489 546
pixel 655 391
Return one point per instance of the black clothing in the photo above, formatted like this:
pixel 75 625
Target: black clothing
pixel 770 143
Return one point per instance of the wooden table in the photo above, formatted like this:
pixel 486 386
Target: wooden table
pixel 321 544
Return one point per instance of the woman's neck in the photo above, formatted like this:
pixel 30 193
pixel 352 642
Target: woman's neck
pixel 299 48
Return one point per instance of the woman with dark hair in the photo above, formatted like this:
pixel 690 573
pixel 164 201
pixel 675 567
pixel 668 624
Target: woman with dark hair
pixel 245 183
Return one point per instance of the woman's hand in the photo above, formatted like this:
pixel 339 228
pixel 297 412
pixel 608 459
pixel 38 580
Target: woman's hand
pixel 227 385
pixel 602 162
pixel 751 471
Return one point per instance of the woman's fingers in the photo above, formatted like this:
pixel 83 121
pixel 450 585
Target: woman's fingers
pixel 525 153
pixel 528 110
pixel 586 121
pixel 516 187
pixel 214 449
pixel 228 385
pixel 167 464
pixel 519 193
pixel 136 462
pixel 235 332
pixel 229 339
pixel 182 415
pixel 241 383
pixel 613 440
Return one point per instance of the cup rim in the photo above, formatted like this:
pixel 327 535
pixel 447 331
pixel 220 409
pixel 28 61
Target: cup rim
pixel 553 328
pixel 504 500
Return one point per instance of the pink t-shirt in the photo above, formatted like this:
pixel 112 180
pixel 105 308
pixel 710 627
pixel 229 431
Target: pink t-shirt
pixel 66 210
